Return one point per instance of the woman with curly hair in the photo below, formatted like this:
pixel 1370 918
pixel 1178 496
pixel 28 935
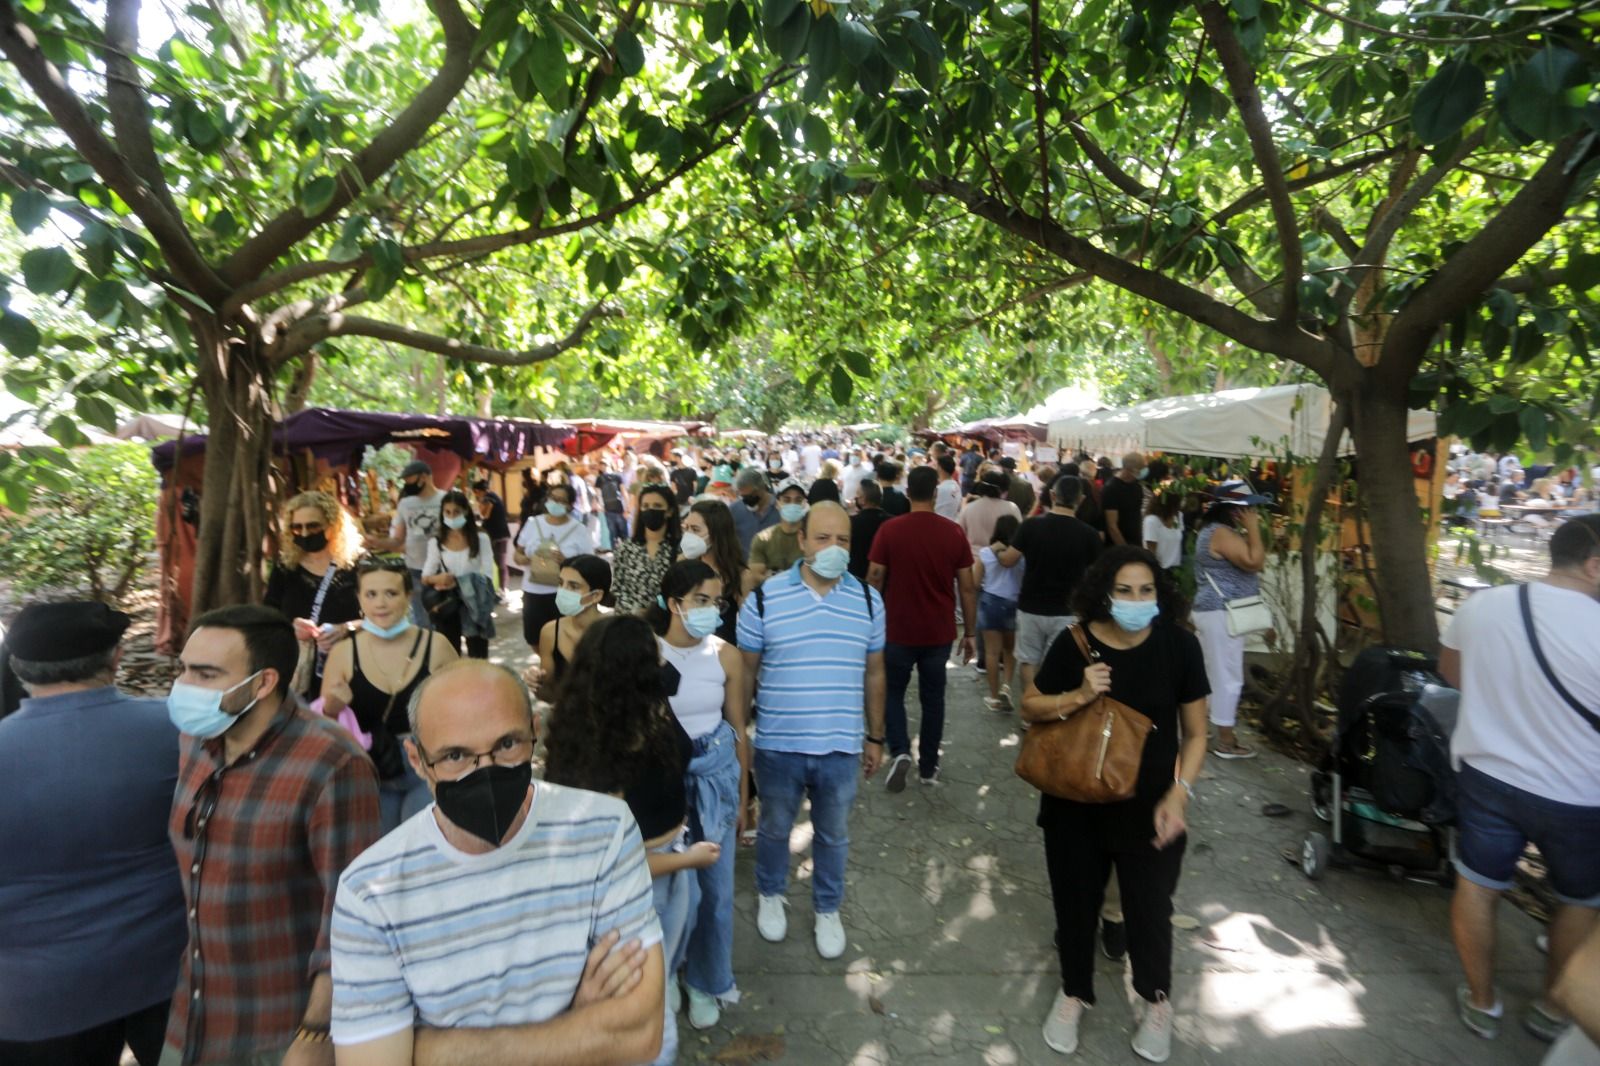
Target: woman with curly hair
pixel 613 731
pixel 314 580
pixel 710 703
pixel 640 563
pixel 1130 615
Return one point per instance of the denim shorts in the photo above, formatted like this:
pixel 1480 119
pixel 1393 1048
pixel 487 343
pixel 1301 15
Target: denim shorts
pixel 996 613
pixel 1495 821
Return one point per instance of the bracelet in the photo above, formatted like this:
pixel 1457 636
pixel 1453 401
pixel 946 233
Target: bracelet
pixel 874 740
pixel 312 1035
pixel 1186 786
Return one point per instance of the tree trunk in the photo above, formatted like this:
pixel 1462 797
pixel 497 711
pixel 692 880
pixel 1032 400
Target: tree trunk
pixel 1403 588
pixel 299 390
pixel 239 484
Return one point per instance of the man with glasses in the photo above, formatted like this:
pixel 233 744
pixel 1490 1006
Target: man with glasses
pixel 514 922
pixel 93 908
pixel 273 802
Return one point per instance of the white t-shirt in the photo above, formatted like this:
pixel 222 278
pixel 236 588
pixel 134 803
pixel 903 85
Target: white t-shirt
pixel 811 458
pixel 418 518
pixel 571 537
pixel 1168 542
pixel 442 561
pixel 1513 725
pixel 425 934
pixel 948 500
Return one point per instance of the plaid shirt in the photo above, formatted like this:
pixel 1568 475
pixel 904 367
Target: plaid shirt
pixel 261 844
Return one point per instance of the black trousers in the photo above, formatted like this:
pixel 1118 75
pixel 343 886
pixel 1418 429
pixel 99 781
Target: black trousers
pixel 1080 857
pixel 537 609
pixel 143 1031
pixel 450 629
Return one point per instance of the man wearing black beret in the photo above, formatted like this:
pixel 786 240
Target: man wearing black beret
pixel 91 907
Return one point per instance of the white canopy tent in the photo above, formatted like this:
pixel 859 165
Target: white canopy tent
pixel 1236 423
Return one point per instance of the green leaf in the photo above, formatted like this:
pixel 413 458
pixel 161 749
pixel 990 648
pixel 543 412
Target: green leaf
pixel 715 20
pixel 317 194
pixel 579 34
pixel 630 53
pixel 546 64
pixel 818 136
pixel 388 266
pixel 29 207
pixel 840 385
pixel 189 59
pixel 1246 9
pixel 103 300
pixel 1535 426
pixel 857 41
pixel 47 270
pixel 860 363
pixel 793 33
pixel 65 430
pixel 95 411
pixel 1447 101
pixel 20 336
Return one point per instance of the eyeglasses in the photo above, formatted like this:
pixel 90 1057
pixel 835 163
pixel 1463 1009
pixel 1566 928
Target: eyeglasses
pixel 721 603
pixel 452 763
pixel 306 527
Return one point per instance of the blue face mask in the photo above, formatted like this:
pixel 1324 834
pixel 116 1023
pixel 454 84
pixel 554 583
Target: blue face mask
pixel 1144 472
pixel 556 510
pixel 198 711
pixel 569 602
pixel 1134 615
pixel 791 512
pixel 456 521
pixel 831 562
pixel 391 632
pixel 701 622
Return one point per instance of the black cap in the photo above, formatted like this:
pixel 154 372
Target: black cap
pixel 55 632
pixel 415 467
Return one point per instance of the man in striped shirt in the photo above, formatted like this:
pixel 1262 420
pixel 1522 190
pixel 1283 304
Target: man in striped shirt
pixel 813 636
pixel 510 922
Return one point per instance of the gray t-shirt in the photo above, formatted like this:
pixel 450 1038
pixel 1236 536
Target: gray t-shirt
pixel 419 517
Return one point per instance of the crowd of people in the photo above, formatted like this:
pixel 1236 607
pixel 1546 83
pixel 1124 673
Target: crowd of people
pixel 330 839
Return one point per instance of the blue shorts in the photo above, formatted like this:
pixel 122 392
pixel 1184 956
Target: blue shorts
pixel 995 613
pixel 1495 821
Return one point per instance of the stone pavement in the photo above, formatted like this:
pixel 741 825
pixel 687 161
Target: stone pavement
pixel 950 956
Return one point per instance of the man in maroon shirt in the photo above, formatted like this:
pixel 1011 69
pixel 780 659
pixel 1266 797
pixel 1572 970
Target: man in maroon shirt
pixel 918 561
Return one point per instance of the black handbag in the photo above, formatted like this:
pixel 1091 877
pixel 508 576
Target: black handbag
pixel 441 604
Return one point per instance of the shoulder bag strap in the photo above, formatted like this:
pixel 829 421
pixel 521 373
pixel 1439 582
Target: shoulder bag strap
pixel 322 591
pixel 1524 599
pixel 1089 655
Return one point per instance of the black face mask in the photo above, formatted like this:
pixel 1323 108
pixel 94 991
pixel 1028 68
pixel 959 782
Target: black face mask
pixel 412 488
pixel 653 520
pixel 486 801
pixel 752 501
pixel 311 542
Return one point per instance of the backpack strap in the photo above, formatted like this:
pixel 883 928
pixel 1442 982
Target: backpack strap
pixel 761 603
pixel 1524 599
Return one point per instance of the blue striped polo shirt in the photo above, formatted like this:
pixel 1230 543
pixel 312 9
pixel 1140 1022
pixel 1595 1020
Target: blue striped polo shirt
pixel 427 935
pixel 814 652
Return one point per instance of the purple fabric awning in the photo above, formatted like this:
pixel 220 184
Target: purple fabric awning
pixel 341 437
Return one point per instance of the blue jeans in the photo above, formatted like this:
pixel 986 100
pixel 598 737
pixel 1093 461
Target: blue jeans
pixel 786 778
pixel 401 797
pixel 713 790
pixel 928 660
pixel 676 896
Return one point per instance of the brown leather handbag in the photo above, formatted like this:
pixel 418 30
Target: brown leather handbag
pixel 1092 755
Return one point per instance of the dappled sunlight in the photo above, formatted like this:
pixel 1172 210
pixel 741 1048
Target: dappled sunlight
pixel 1276 1004
pixel 1243 933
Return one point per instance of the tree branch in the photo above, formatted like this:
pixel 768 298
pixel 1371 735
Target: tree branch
pixel 21 47
pixel 308 332
pixel 1241 79
pixel 1105 164
pixel 1337 170
pixel 1480 263
pixel 390 144
pixel 125 99
pixel 1281 337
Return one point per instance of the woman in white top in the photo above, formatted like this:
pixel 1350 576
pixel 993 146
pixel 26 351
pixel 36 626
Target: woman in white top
pixel 1163 527
pixel 999 588
pixel 461 559
pixel 543 543
pixel 705 682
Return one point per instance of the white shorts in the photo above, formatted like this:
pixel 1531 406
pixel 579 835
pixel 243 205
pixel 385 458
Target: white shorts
pixel 1036 632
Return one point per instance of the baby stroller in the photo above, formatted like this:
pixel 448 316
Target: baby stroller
pixel 1386 787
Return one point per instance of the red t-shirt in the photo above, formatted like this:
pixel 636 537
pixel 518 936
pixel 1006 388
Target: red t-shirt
pixel 923 553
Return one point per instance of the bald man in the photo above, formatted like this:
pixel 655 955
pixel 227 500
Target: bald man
pixel 813 636
pixel 460 936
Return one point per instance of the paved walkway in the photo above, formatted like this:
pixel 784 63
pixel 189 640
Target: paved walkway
pixel 950 956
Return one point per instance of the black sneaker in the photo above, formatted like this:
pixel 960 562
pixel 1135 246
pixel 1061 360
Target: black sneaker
pixel 1114 940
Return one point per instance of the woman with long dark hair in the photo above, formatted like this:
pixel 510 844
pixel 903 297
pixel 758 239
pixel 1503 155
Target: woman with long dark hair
pixel 584 589
pixel 613 731
pixel 1130 615
pixel 641 562
pixel 1228 559
pixel 709 535
pixel 460 570
pixel 709 701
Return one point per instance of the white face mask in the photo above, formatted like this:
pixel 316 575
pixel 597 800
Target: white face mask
pixel 693 546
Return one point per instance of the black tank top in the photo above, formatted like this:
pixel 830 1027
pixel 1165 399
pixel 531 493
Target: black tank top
pixel 369 701
pixel 559 665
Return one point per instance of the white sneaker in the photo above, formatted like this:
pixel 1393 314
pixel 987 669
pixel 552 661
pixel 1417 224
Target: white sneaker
pixel 674 994
pixel 1153 1041
pixel 704 1010
pixel 932 780
pixel 771 922
pixel 1061 1027
pixel 830 935
pixel 899 768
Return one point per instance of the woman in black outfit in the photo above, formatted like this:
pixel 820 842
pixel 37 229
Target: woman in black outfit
pixel 314 580
pixel 1132 617
pixel 613 731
